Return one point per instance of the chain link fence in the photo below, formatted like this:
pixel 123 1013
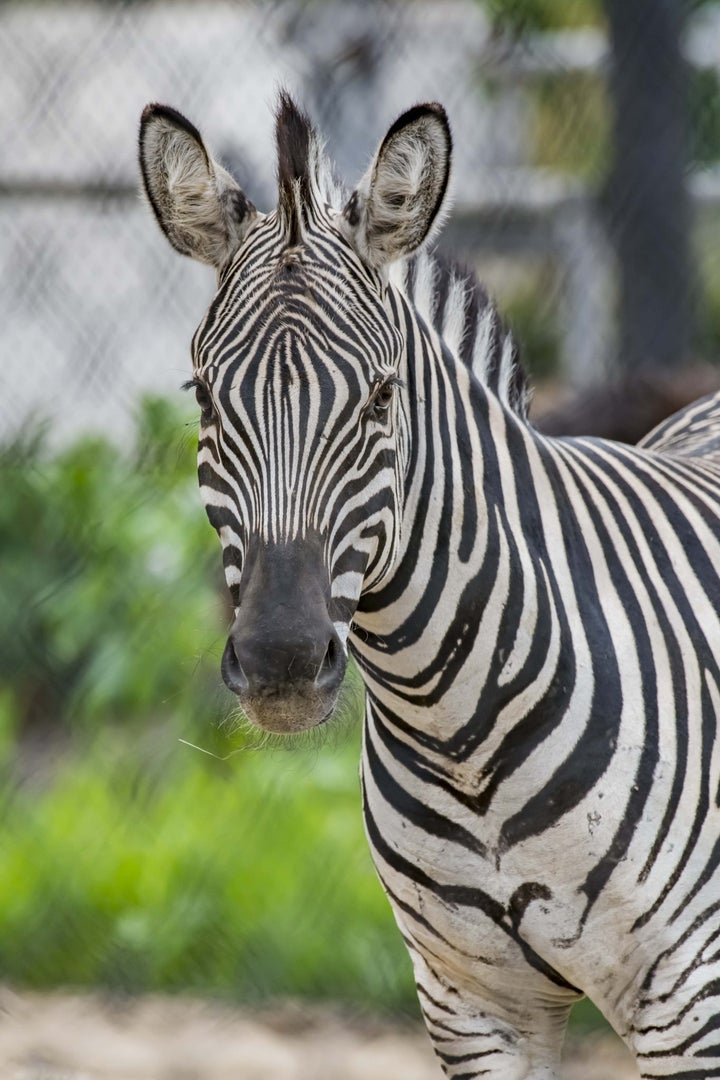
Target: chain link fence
pixel 95 309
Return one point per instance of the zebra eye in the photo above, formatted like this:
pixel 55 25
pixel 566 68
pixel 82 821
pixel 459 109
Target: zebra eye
pixel 203 398
pixel 381 400
pixel 384 397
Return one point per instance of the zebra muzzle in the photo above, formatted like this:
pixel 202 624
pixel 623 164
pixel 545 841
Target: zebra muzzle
pixel 284 659
pixel 285 685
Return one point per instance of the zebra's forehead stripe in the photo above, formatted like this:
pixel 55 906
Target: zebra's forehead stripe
pixel 279 424
pixel 345 332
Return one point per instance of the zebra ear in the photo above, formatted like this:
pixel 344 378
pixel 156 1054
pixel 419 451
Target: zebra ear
pixel 396 203
pixel 198 205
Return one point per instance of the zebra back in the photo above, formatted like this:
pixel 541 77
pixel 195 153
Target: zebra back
pixel 693 432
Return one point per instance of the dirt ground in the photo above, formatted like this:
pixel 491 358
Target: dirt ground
pixel 73 1037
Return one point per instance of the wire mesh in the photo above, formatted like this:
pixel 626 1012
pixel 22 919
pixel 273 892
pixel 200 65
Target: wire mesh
pixel 95 309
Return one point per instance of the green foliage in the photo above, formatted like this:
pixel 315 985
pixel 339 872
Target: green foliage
pixel 571 132
pixel 518 17
pixel 108 579
pixel 146 866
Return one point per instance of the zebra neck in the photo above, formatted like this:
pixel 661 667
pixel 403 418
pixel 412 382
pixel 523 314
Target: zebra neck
pixel 449 647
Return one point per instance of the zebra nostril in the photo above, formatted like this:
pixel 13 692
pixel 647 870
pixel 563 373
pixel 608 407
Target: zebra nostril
pixel 231 669
pixel 332 668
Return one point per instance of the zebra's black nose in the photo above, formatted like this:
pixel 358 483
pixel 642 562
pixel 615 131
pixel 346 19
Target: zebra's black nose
pixel 332 669
pixel 231 669
pixel 258 663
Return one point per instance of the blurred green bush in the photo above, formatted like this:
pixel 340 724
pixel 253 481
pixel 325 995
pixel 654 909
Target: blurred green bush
pixel 141 865
pixel 109 580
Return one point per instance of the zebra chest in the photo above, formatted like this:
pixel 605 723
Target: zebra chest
pixel 456 884
pixel 451 892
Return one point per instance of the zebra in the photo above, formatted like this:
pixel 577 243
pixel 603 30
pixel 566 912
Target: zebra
pixel 536 620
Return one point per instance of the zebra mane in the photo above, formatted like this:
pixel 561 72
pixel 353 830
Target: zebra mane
pixel 446 294
pixel 451 299
pixel 305 173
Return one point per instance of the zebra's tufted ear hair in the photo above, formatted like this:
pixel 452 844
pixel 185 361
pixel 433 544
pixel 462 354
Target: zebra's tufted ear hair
pixel 199 206
pixel 396 204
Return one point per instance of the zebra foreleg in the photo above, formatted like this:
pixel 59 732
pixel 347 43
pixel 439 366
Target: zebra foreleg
pixel 484 1046
pixel 481 1039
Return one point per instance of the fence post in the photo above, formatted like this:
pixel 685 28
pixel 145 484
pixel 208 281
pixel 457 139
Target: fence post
pixel 587 341
pixel 646 202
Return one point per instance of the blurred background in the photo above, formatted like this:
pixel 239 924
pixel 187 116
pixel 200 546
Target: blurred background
pixel 586 192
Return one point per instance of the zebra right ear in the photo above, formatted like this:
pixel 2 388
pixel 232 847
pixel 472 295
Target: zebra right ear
pixel 396 204
pixel 200 208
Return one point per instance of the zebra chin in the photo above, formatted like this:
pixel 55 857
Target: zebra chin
pixel 285 687
pixel 289 713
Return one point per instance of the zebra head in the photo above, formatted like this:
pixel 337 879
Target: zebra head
pixel 297 370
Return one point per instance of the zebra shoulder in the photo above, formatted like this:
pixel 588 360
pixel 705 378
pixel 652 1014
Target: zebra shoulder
pixel 691 432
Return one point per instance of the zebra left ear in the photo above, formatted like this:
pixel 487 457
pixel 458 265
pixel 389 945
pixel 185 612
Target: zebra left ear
pixel 396 203
pixel 198 205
